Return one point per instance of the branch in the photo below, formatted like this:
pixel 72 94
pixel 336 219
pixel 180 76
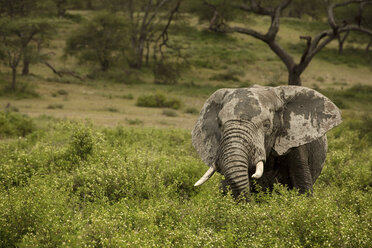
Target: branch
pixel 331 7
pixel 308 44
pixel 62 73
pixel 248 31
pixel 275 19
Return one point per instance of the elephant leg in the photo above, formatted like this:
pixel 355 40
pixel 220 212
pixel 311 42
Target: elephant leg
pixel 299 170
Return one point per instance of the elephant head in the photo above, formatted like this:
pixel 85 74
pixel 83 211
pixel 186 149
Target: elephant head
pixel 239 128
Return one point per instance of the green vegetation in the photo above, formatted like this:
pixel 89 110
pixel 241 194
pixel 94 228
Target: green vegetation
pixel 158 101
pixel 75 184
pixel 358 96
pixel 15 125
pixel 55 106
pixel 134 187
pixel 169 113
pixel 192 110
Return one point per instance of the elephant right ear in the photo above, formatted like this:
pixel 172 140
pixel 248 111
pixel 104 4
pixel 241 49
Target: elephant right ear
pixel 206 134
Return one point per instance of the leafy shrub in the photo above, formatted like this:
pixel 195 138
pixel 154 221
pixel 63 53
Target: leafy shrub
pixel 112 109
pixel 62 92
pixel 192 110
pixel 133 187
pixel 158 101
pixel 55 106
pixel 22 91
pixel 15 125
pixel 127 96
pixel 169 113
pixel 230 75
pixel 134 121
pixel 167 72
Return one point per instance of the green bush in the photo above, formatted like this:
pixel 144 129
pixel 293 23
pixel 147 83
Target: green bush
pixel 169 113
pixel 127 96
pixel 167 72
pixel 192 110
pixel 158 101
pixel 15 125
pixel 75 185
pixel 55 106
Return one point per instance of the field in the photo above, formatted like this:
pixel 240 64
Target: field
pixel 88 167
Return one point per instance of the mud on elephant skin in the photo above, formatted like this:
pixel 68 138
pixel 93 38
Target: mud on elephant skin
pixel 273 134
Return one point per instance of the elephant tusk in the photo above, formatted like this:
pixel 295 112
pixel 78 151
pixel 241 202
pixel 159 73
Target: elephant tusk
pixel 259 170
pixel 206 176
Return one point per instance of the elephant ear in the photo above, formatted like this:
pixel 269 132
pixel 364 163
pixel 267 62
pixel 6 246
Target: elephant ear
pixel 206 134
pixel 306 116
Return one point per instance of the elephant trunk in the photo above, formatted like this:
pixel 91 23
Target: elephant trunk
pixel 239 150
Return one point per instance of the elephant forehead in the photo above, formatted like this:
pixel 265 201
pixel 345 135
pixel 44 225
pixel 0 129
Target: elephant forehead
pixel 241 104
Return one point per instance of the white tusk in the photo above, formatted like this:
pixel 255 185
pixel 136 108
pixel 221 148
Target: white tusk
pixel 206 176
pixel 259 170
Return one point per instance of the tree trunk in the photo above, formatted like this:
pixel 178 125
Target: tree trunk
pixel 105 65
pixel 26 65
pixel 14 78
pixel 294 78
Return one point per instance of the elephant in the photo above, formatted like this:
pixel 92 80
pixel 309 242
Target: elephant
pixel 270 134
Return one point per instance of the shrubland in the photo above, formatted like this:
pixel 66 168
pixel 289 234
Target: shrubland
pixel 69 183
pixel 73 184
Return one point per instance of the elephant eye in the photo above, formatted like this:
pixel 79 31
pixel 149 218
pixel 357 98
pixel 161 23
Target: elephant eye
pixel 266 124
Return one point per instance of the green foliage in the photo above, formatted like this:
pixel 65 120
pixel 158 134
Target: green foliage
pixel 167 72
pixel 62 92
pixel 15 125
pixel 128 96
pixel 22 90
pixel 192 110
pixel 360 96
pixel 101 40
pixel 128 187
pixel 134 121
pixel 229 75
pixel 169 113
pixel 158 101
pixel 55 106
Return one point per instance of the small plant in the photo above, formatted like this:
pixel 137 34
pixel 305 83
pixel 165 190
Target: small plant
pixel 167 72
pixel 127 96
pixel 192 110
pixel 134 121
pixel 14 124
pixel 226 76
pixel 158 101
pixel 320 79
pixel 170 113
pixel 112 109
pixel 62 92
pixel 55 106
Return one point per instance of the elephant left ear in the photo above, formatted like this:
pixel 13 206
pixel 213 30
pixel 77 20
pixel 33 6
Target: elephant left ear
pixel 306 116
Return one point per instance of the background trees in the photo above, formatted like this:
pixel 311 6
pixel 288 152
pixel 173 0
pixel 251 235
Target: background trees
pixel 103 39
pixel 133 34
pixel 338 29
pixel 24 28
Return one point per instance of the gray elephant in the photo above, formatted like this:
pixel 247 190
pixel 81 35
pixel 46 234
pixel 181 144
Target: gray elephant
pixel 272 134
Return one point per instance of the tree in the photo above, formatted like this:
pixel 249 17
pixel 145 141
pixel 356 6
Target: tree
pixel 103 39
pixel 39 9
pixel 148 25
pixel 313 44
pixel 15 36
